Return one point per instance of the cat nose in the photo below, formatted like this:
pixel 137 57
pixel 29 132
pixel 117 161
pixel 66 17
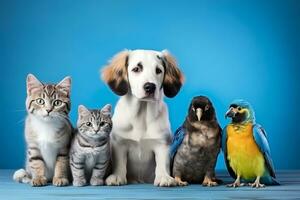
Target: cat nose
pixel 48 110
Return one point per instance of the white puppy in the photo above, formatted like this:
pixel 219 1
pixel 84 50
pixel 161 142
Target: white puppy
pixel 141 130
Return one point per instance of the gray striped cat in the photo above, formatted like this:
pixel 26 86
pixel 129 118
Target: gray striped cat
pixel 90 150
pixel 47 133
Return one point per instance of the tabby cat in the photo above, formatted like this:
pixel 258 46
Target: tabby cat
pixel 47 133
pixel 90 150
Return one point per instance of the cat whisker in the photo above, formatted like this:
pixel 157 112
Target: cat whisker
pixel 21 121
pixel 23 110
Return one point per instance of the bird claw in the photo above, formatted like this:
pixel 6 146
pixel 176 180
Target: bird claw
pixel 256 185
pixel 209 182
pixel 180 182
pixel 236 184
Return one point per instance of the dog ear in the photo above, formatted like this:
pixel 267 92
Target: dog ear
pixel 115 73
pixel 173 78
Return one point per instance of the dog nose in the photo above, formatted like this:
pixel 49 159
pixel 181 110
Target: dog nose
pixel 149 87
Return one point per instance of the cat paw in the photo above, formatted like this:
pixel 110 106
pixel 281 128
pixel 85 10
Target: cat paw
pixel 79 182
pixel 60 181
pixel 116 180
pixel 165 181
pixel 39 181
pixel 96 181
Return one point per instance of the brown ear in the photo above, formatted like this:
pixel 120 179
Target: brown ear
pixel 173 79
pixel 115 73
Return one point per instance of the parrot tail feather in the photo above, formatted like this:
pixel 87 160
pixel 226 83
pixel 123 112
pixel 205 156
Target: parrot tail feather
pixel 269 181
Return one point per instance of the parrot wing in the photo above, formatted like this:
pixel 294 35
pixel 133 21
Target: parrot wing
pixel 224 149
pixel 260 138
pixel 176 141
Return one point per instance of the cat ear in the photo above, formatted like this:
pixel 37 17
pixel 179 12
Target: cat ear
pixel 33 84
pixel 82 110
pixel 65 85
pixel 106 110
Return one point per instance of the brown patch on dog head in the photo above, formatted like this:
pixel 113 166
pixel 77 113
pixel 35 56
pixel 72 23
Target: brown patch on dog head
pixel 115 73
pixel 173 78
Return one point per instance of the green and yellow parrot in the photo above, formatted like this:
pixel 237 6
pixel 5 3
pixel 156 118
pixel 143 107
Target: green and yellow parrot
pixel 246 149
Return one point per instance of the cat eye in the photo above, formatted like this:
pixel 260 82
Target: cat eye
pixel 102 124
pixel 40 101
pixel 57 102
pixel 88 124
pixel 158 71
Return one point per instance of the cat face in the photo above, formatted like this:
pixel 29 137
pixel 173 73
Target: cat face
pixel 48 101
pixel 94 123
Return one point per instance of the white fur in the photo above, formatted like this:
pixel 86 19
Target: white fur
pixel 141 128
pixel 49 140
pixel 149 61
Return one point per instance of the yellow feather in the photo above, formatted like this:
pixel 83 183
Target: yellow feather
pixel 244 155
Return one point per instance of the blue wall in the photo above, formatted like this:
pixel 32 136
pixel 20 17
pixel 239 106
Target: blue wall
pixel 227 50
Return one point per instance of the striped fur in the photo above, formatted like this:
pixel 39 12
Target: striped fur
pixel 90 149
pixel 47 133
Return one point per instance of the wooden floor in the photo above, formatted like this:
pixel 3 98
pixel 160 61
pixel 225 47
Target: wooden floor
pixel 290 189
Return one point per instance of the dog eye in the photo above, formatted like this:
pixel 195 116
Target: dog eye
pixel 88 124
pixel 158 71
pixel 137 69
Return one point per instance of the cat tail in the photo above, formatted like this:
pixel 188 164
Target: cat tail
pixel 21 176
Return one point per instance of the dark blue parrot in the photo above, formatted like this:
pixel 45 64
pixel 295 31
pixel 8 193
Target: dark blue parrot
pixel 196 144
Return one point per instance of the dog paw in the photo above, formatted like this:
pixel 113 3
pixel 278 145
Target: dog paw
pixel 96 181
pixel 165 181
pixel 116 180
pixel 39 181
pixel 60 181
pixel 79 182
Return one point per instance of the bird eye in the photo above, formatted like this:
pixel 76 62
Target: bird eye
pixel 206 107
pixel 57 102
pixel 88 124
pixel 239 108
pixel 102 124
pixel 40 101
pixel 158 71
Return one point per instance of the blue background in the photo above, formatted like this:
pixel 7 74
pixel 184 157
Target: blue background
pixel 226 49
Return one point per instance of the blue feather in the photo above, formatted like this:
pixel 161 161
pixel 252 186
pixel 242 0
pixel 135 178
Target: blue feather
pixel 177 139
pixel 260 138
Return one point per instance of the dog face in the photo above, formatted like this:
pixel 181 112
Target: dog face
pixel 144 74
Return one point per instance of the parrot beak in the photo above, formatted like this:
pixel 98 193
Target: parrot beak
pixel 199 113
pixel 230 113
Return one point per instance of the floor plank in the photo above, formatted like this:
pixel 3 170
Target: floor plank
pixel 289 189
